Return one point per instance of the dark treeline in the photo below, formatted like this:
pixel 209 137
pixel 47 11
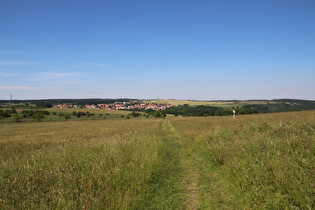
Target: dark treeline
pixel 49 102
pixel 278 106
pixel 291 105
pixel 201 110
pixel 194 111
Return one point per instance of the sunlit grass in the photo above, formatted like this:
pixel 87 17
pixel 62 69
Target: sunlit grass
pixel 254 161
pixel 77 164
pixel 267 159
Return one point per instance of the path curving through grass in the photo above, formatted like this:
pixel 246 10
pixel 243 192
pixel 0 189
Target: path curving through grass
pixel 201 184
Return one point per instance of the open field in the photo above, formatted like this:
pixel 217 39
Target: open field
pixel 255 161
pixel 226 104
pixel 95 111
pixel 267 160
pixel 58 115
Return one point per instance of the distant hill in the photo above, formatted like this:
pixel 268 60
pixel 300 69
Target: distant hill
pixel 276 104
pixel 295 104
pixel 222 108
pixel 187 106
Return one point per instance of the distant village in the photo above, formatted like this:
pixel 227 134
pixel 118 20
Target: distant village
pixel 119 106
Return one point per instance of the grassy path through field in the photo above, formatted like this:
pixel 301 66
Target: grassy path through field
pixel 254 162
pixel 201 183
pixel 189 162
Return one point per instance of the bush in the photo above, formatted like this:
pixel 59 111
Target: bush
pixel 159 113
pixel 79 114
pixel 67 117
pixel 17 118
pixel 135 114
pixel 38 116
pixel 4 114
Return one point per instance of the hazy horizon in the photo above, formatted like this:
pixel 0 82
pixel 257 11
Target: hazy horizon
pixel 196 50
pixel 152 99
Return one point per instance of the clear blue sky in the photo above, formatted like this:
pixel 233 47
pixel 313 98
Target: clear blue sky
pixel 179 49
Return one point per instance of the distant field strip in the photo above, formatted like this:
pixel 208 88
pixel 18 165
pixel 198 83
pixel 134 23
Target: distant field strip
pixel 209 103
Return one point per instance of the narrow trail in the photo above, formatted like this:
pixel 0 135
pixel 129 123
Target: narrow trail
pixel 203 185
pixel 189 162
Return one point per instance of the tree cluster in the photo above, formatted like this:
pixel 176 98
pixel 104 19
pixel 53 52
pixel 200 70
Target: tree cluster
pixel 135 114
pixel 30 113
pixel 79 114
pixel 156 113
pixel 202 110
pixel 37 115
pixel 159 114
pixel 44 104
pixel 7 113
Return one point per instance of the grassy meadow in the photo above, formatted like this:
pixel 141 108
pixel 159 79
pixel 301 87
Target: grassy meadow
pixel 252 162
pixel 59 115
pixel 267 160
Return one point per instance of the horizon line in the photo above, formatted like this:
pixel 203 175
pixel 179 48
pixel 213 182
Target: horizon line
pixel 151 99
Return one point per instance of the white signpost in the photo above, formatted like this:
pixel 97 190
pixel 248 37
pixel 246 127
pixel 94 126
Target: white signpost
pixel 233 114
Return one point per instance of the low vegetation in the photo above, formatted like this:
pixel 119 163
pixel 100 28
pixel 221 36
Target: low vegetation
pixel 266 159
pixel 73 114
pixel 255 161
pixel 79 164
pixel 57 114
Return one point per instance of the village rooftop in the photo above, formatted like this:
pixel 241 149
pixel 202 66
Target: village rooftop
pixel 119 106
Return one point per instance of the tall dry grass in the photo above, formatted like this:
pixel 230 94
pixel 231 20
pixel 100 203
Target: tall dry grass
pixel 101 164
pixel 268 159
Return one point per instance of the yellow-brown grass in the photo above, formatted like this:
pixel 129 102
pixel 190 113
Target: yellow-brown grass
pixel 207 103
pixel 261 161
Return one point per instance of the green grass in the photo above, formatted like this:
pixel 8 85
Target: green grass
pixel 252 162
pixel 270 165
pixel 98 114
pixel 77 164
pixel 266 160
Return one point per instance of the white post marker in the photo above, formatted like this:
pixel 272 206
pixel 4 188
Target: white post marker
pixel 233 114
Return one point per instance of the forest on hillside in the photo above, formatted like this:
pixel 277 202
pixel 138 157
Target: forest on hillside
pixel 283 105
pixel 245 107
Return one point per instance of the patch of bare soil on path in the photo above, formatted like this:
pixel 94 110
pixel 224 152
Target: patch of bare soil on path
pixel 193 189
pixel 191 179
